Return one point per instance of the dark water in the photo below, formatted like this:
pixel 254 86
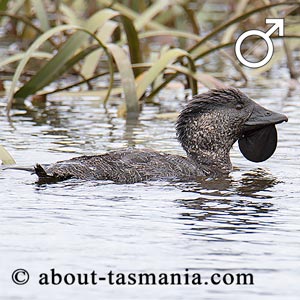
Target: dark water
pixel 246 223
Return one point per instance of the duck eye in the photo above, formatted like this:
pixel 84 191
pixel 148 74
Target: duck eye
pixel 239 106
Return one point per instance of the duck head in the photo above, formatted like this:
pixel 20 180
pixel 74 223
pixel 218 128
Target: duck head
pixel 213 121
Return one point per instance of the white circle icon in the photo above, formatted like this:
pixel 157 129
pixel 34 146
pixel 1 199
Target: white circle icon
pixel 278 24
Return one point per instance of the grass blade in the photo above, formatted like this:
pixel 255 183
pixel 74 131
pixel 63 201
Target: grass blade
pixel 3 5
pixel 59 63
pixel 131 34
pixel 98 19
pixel 90 63
pixel 206 79
pixel 173 33
pixel 49 72
pixel 150 13
pixel 22 19
pixel 5 157
pixel 127 78
pixel 19 56
pixel 195 49
pixel 36 44
pixel 41 14
pixel 69 15
pixel 131 14
pixel 133 43
pixel 149 76
pixel 32 85
pixel 228 34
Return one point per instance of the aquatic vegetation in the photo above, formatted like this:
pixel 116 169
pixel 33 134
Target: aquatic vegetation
pixel 140 46
pixel 5 157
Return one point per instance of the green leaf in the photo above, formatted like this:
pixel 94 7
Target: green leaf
pixel 41 14
pixel 149 76
pixel 3 5
pixel 106 29
pixel 69 15
pixel 51 70
pixel 73 60
pixel 127 78
pixel 56 66
pixel 91 62
pixel 19 56
pixel 98 19
pixel 131 14
pixel 133 43
pixel 150 13
pixel 36 44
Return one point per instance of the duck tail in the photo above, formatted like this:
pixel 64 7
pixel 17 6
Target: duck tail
pixel 40 171
pixel 43 176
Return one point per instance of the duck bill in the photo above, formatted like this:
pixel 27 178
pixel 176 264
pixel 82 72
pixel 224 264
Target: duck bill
pixel 259 137
pixel 262 117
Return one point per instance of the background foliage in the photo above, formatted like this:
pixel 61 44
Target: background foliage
pixel 135 48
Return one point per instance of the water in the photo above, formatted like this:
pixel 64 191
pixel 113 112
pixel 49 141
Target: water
pixel 247 223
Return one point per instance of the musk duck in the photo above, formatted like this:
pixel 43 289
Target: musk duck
pixel 206 128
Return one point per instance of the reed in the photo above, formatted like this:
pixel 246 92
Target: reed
pixel 112 39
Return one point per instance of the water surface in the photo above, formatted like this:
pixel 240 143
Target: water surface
pixel 246 223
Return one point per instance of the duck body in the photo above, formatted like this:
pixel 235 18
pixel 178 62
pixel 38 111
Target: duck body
pixel 206 128
pixel 128 165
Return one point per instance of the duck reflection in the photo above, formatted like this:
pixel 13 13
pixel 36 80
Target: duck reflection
pixel 235 204
pixel 251 184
